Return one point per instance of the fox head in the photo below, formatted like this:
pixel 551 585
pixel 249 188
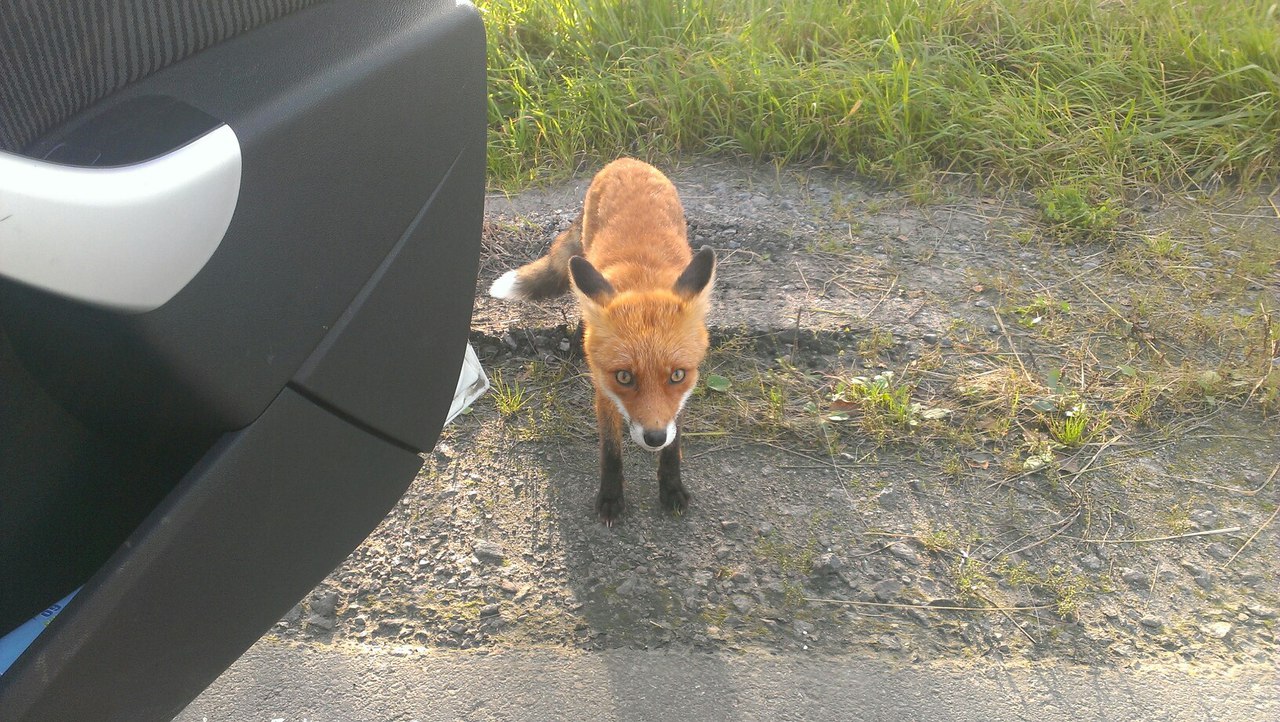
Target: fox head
pixel 644 346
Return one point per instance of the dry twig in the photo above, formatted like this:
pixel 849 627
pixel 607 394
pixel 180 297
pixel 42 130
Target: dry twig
pixel 1207 532
pixel 1252 536
pixel 948 608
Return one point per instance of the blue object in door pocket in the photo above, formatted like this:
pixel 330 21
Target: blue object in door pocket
pixel 13 644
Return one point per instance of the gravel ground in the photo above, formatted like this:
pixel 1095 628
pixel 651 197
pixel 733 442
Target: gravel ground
pixel 1150 545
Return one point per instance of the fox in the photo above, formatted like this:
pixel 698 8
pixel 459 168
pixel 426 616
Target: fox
pixel 643 295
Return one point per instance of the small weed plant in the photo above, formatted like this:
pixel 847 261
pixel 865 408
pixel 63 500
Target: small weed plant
pixel 1067 587
pixel 509 396
pixel 876 343
pixel 881 398
pixel 1068 208
pixel 1071 427
pixel 939 540
pixel 1034 314
pixel 884 402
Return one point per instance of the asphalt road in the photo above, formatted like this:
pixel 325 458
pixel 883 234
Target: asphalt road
pixel 278 683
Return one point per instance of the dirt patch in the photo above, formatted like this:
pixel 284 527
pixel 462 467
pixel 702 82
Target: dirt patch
pixel 945 429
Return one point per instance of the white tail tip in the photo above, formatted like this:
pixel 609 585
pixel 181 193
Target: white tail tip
pixel 505 286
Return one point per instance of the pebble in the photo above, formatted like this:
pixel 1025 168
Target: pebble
pixel 742 603
pixel 324 604
pixel 886 589
pixel 1091 562
pixel 888 641
pixel 1219 551
pixel 1136 578
pixel 489 610
pixel 1200 575
pixel 325 623
pixel 1218 630
pixel 1203 519
pixel 890 499
pixel 488 551
pixel 293 615
pixel 627 588
pixel 1254 580
pixel 904 553
pixel 827 564
pixel 1260 611
pixel 1155 624
pixel 929 338
pixel 728 525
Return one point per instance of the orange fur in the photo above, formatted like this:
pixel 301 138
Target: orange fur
pixel 633 233
pixel 644 296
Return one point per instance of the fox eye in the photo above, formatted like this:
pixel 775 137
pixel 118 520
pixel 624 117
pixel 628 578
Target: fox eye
pixel 677 376
pixel 625 378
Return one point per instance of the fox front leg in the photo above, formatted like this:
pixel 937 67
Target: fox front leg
pixel 609 502
pixel 671 491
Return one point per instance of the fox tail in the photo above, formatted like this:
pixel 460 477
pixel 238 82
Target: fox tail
pixel 546 277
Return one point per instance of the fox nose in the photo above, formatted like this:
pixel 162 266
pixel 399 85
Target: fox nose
pixel 655 438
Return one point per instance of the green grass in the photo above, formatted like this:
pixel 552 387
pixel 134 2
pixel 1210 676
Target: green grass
pixel 882 400
pixel 1074 426
pixel 1094 94
pixel 1040 312
pixel 508 396
pixel 1069 208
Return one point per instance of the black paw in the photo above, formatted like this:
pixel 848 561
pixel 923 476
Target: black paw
pixel 609 509
pixel 674 500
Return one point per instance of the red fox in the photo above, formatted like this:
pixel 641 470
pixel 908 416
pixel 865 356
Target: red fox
pixel 643 295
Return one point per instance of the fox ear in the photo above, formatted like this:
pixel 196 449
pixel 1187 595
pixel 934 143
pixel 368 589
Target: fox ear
pixel 698 274
pixel 589 282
